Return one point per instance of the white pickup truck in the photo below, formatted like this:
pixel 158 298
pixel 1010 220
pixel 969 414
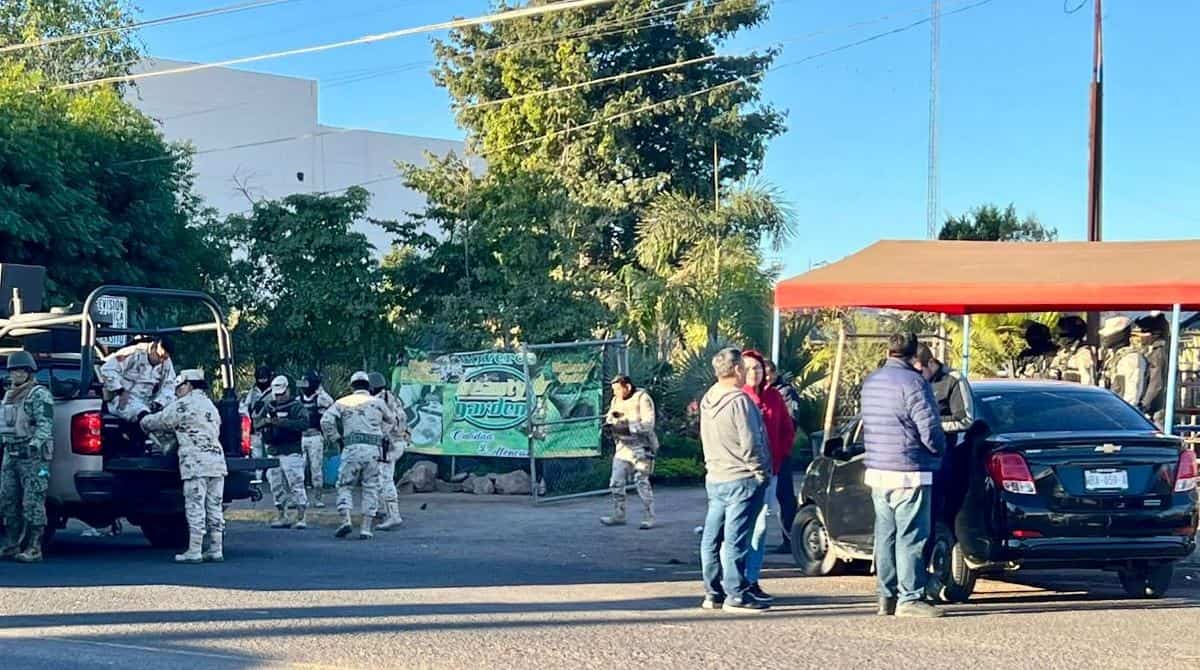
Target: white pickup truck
pixel 103 469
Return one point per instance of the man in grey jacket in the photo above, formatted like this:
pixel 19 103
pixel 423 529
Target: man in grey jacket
pixel 739 465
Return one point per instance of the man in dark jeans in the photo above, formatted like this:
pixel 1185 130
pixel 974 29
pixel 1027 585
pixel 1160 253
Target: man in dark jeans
pixel 904 444
pixel 785 488
pixel 738 468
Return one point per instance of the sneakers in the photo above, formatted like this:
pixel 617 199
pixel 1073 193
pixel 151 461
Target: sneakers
pixel 887 606
pixel 755 591
pixel 712 602
pixel 746 606
pixel 647 523
pixel 612 520
pixel 917 610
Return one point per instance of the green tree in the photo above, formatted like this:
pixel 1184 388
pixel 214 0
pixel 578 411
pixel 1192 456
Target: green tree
pixel 103 52
pixel 89 189
pixel 305 289
pixel 619 164
pixel 991 224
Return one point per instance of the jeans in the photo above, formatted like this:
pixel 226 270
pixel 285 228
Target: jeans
pixel 902 527
pixel 732 508
pixel 758 538
pixel 785 494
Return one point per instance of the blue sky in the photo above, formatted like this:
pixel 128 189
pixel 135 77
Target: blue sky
pixel 1014 95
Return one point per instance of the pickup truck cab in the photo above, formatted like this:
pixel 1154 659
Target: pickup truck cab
pixel 101 470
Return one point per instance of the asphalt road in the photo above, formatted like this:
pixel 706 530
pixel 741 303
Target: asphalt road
pixel 470 583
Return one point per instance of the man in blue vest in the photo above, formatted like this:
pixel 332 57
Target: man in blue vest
pixel 904 446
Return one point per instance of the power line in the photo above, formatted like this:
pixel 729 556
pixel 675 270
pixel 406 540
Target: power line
pixel 176 18
pixel 365 39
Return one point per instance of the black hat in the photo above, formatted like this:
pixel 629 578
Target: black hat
pixel 263 372
pixel 1071 328
pixel 1155 324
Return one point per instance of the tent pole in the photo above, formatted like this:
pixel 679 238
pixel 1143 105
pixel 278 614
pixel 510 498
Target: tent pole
pixel 1173 373
pixel 776 332
pixel 831 403
pixel 966 352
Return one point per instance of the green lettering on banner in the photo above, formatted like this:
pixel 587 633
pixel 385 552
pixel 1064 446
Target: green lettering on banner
pixel 477 404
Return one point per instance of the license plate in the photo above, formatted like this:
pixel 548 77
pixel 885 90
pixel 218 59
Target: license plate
pixel 1111 480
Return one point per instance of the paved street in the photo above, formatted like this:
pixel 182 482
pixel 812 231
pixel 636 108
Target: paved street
pixel 472 583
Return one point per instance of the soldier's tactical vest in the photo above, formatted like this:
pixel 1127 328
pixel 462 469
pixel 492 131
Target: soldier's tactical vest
pixel 311 405
pixel 1066 365
pixel 1109 377
pixel 14 420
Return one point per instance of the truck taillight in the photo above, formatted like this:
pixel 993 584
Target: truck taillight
pixel 1011 473
pixel 245 436
pixel 87 434
pixel 1185 472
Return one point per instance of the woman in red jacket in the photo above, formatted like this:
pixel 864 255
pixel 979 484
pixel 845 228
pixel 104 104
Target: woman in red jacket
pixel 781 433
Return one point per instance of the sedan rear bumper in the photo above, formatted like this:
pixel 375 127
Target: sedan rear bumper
pixel 1097 551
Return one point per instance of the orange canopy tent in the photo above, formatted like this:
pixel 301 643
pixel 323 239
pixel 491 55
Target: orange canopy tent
pixel 1001 277
pixel 964 278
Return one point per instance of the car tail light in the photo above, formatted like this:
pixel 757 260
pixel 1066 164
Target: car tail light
pixel 1025 534
pixel 1185 472
pixel 87 434
pixel 245 435
pixel 1011 473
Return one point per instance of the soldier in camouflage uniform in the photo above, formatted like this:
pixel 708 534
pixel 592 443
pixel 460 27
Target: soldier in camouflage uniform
pixel 252 406
pixel 27 436
pixel 1075 360
pixel 283 423
pixel 631 421
pixel 1124 368
pixel 315 401
pixel 393 449
pixel 358 424
pixel 138 377
pixel 1034 360
pixel 196 423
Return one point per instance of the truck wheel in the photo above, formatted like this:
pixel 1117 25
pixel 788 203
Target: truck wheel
pixel 1147 581
pixel 811 549
pixel 950 580
pixel 166 532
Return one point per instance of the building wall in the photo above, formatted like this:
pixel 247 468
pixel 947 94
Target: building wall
pixel 258 136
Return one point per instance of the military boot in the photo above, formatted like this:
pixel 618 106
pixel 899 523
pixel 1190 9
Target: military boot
pixel 347 525
pixel 193 553
pixel 647 517
pixel 301 519
pixel 215 553
pixel 281 519
pixel 365 533
pixel 316 500
pixel 33 547
pixel 393 517
pixel 618 515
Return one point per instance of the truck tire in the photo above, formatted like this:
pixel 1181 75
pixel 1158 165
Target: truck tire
pixel 1147 581
pixel 811 549
pixel 951 580
pixel 168 532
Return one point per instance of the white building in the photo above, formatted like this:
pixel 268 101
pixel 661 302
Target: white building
pixel 258 135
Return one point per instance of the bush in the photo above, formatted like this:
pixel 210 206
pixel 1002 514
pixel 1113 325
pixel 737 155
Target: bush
pixel 678 471
pixel 679 446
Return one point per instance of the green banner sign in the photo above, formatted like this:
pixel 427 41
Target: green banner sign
pixel 478 404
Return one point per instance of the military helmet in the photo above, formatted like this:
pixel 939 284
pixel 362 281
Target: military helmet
pixel 360 377
pixel 1071 328
pixel 377 381
pixel 22 360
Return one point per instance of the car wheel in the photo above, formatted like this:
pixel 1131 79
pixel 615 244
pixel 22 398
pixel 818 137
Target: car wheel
pixel 166 532
pixel 811 549
pixel 1147 581
pixel 950 580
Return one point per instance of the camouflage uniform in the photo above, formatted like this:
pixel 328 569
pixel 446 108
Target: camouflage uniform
pixel 313 442
pixel 282 437
pixel 196 424
pixel 27 435
pixel 396 439
pixel 1124 373
pixel 1074 362
pixel 253 405
pixel 365 420
pixel 130 370
pixel 637 444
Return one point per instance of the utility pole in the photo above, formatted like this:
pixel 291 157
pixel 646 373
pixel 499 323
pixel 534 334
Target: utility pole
pixel 934 193
pixel 1096 132
pixel 1095 150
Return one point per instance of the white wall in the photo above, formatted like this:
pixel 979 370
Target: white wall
pixel 218 110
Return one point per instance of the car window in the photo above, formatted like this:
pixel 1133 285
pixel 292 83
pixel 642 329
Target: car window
pixel 1044 410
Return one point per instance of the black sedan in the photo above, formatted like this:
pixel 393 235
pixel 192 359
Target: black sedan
pixel 1050 475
